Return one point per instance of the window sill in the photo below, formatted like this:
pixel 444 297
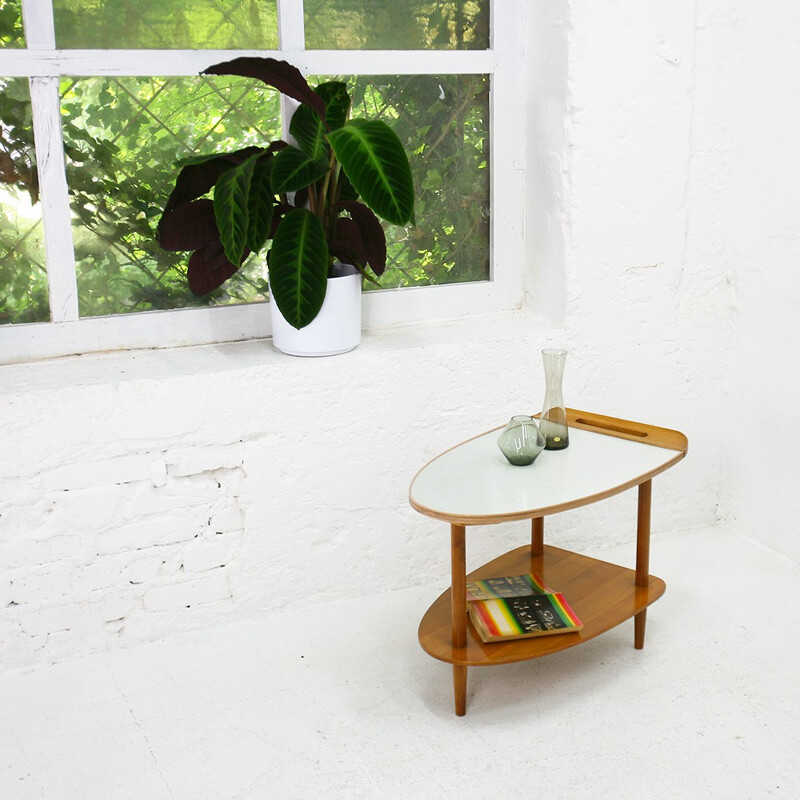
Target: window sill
pixel 174 363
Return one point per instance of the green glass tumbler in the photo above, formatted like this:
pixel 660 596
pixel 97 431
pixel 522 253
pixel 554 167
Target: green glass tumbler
pixel 521 440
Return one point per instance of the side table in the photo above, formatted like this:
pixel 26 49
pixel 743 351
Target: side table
pixel 473 484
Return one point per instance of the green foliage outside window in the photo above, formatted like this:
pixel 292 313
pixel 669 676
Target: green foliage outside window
pixel 23 278
pixel 443 121
pixel 123 135
pixel 166 24
pixel 397 24
pixel 11 34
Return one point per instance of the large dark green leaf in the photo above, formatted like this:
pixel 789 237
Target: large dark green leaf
pixel 347 246
pixel 280 74
pixel 374 160
pixel 231 208
pixel 204 158
pixel 308 131
pixel 292 169
pixel 371 235
pixel 200 173
pixel 346 189
pixel 279 212
pixel 298 267
pixel 209 268
pixel 189 227
pixel 260 205
pixel 337 103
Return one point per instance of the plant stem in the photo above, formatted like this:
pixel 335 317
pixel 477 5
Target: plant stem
pixel 312 201
pixel 333 196
pixel 324 190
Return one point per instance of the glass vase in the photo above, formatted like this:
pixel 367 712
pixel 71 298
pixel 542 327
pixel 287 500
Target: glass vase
pixel 521 440
pixel 553 421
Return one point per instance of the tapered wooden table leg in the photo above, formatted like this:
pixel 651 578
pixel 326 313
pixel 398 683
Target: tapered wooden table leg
pixel 458 606
pixel 460 689
pixel 537 536
pixel 642 556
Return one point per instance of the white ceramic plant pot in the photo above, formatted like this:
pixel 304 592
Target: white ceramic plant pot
pixel 337 327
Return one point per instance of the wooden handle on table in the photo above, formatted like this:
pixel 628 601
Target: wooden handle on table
pixel 625 429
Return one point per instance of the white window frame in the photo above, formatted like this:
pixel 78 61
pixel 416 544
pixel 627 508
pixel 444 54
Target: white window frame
pixel 67 334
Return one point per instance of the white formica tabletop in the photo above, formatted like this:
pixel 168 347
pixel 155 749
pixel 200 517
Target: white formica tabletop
pixel 474 484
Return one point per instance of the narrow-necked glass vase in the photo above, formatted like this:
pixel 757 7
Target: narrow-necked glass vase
pixel 553 422
pixel 521 440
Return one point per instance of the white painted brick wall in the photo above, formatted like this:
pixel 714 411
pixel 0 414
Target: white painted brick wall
pixel 150 493
pixel 195 460
pixel 296 493
pixel 98 532
pixel 211 552
pixel 195 591
pixel 86 475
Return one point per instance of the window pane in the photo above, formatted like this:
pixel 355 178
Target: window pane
pixel 11 24
pixel 23 280
pixel 122 137
pixel 166 24
pixel 443 121
pixel 397 24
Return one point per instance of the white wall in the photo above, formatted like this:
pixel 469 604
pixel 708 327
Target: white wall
pixel 763 472
pixel 625 206
pixel 149 493
pixel 672 205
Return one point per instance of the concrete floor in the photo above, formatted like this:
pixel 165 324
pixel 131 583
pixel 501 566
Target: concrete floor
pixel 340 702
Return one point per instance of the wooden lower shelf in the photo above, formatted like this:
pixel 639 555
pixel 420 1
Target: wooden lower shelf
pixel 602 595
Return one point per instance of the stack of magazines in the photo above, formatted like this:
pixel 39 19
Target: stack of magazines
pixel 518 607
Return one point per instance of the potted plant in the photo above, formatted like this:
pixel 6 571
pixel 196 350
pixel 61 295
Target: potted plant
pixel 317 201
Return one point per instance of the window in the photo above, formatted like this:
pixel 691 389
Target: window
pixel 99 98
